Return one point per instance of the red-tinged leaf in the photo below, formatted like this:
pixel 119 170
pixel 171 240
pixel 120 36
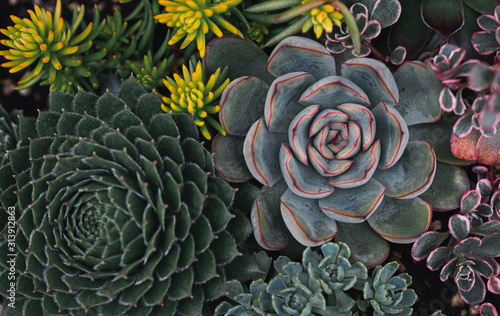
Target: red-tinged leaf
pixel 459 226
pixel 487 150
pixel 465 147
pixel 306 221
pixel 353 205
pixel 470 201
pixel 427 243
pixel 364 119
pixel 298 132
pixel 444 16
pixel 327 167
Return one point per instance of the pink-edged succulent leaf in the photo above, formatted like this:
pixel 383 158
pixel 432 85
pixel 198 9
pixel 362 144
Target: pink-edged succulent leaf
pixel 490 227
pixel 303 180
pixel 459 226
pixel 387 12
pixel 332 91
pixel 447 100
pixel 397 57
pixel 228 158
pixel 371 31
pixel 467 246
pixel 261 152
pixel 485 43
pixel 374 78
pixel 298 132
pixel 487 22
pixel 269 229
pixel 325 118
pixel 412 174
pixel 490 245
pixel 487 150
pixel 322 148
pixel 461 103
pixel 494 285
pixel 485 210
pixel 295 54
pixel 242 103
pixel 464 148
pixel 414 106
pixel 327 167
pixel 465 276
pixel 243 58
pixel 487 309
pixel 463 126
pixel 484 187
pixel 306 221
pixel 482 267
pixel 281 105
pixel 365 244
pixel 362 169
pixel 364 119
pixel 427 243
pixel 480 77
pixel 495 202
pixel 449 185
pixel 438 134
pixel 353 143
pixel 476 293
pixel 353 205
pixel 401 221
pixel 438 257
pixel 448 269
pixel 445 16
pixel 392 133
pixel 470 201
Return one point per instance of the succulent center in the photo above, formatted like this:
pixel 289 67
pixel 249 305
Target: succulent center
pixel 465 273
pixel 335 272
pixel 297 301
pixel 385 294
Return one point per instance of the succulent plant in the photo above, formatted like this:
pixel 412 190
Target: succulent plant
pixel 330 149
pixel 486 41
pixel 389 294
pixel 45 41
pixel 297 289
pixel 322 17
pixel 118 210
pixel 150 76
pixel 9 135
pixel 487 309
pixel 370 19
pixel 195 94
pixel 194 19
pixel 466 258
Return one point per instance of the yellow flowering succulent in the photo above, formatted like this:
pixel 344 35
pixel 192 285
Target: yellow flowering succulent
pixel 194 18
pixel 322 18
pixel 44 39
pixel 196 94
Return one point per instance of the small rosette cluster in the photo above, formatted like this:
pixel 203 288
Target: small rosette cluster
pixel 118 210
pixel 333 148
pixel 487 41
pixel 472 244
pixel 370 19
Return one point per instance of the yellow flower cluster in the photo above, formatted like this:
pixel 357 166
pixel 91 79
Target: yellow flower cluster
pixel 322 18
pixel 194 18
pixel 195 94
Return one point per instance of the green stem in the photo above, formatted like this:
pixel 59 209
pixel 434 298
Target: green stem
pixel 350 21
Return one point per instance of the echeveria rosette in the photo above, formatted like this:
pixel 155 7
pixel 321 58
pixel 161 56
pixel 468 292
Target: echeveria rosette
pixel 312 116
pixel 118 210
pixel 370 20
pixel 389 294
pixel 9 133
pixel 335 272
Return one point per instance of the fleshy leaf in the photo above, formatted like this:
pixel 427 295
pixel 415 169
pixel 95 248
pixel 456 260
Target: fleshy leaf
pixel 353 205
pixel 476 294
pixel 364 119
pixel 306 221
pixel 295 54
pixel 465 147
pixel 365 244
pixel 302 180
pixel 242 103
pixel 449 184
pixel 374 78
pixel 332 91
pixel 281 105
pixel 412 174
pixel 459 226
pixel 470 201
pixel 401 221
pixel 487 150
pixel 414 106
pixel 261 152
pixel 228 158
pixel 438 257
pixel 427 243
pixel 269 229
pixel 445 16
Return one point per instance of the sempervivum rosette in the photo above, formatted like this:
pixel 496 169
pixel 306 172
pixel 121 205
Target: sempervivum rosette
pixel 118 210
pixel 332 151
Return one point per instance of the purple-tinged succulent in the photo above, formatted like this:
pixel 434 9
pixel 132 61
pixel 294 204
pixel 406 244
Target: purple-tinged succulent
pixel 467 258
pixel 487 309
pixel 331 151
pixel 487 41
pixel 370 19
